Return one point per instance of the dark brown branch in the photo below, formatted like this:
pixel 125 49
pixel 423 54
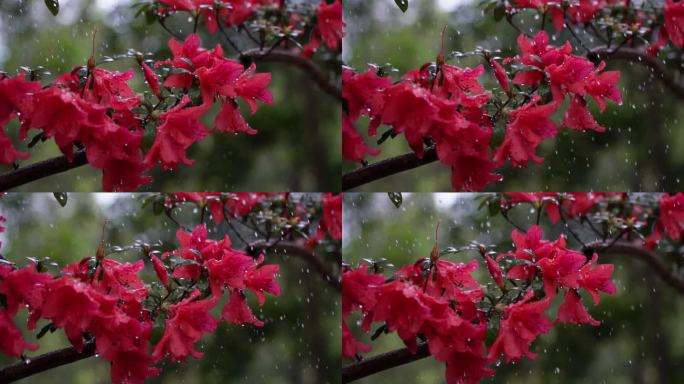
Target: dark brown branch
pixel 386 168
pixel 40 170
pixel 652 258
pixel 636 55
pixel 44 362
pixel 382 362
pixel 295 249
pixel 294 58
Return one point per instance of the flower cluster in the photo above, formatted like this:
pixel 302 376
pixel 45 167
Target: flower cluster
pixel 653 23
pixel 439 302
pixel 281 213
pixel 95 110
pixel 271 19
pixel 103 301
pixel 446 106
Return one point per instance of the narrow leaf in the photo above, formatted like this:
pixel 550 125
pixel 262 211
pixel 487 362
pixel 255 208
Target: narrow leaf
pixel 396 198
pixel 402 4
pixel 53 6
pixel 61 198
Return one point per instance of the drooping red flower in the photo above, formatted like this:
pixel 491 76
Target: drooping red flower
pixel 16 98
pixel 160 270
pixel 350 346
pixel 185 323
pixel 262 279
pixel 71 305
pixel 151 78
pixel 573 311
pixel 561 270
pixel 521 323
pixel 494 271
pixel 23 286
pixel 329 24
pixel 467 368
pixel 400 306
pixel 332 215
pixel 578 116
pixel 179 129
pixel 597 279
pixel 358 289
pixel 363 92
pixel 673 13
pixel 501 75
pixel 353 146
pixel 527 127
pixel 12 342
pixel 237 311
pixel 671 219
pixel 229 271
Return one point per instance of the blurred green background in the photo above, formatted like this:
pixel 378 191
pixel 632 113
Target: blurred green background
pixel 300 342
pixel 640 151
pixel 640 340
pixel 298 145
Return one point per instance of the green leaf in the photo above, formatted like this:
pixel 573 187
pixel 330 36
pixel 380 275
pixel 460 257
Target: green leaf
pixel 499 13
pixel 53 6
pixel 61 198
pixel 402 4
pixel 396 198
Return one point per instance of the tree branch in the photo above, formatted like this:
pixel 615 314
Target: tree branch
pixel 652 258
pixel 40 170
pixel 295 249
pixel 45 362
pixel 387 167
pixel 382 362
pixel 290 57
pixel 639 56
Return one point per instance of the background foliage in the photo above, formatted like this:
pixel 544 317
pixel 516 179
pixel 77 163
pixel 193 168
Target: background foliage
pixel 298 146
pixel 639 151
pixel 640 339
pixel 298 344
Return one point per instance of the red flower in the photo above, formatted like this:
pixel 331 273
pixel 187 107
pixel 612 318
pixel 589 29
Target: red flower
pixel 672 215
pixel 12 342
pixel 597 279
pixel 674 21
pixel 132 367
pixel 578 116
pixel 151 78
pixel 363 92
pixel 561 270
pixel 528 126
pixel 237 311
pixel 71 305
pixel 23 286
pixel 467 368
pixel 332 215
pixel 501 76
pixel 358 289
pixel 400 306
pixel 329 23
pixel 521 323
pixel 572 310
pixel 16 98
pixel 410 110
pixel 603 86
pixel 185 324
pixel 494 271
pixel 191 57
pixel 353 146
pixel 179 129
pixel 261 279
pixel 160 270
pixel 350 347
pixel 229 271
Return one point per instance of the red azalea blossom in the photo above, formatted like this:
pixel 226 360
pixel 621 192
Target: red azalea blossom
pixel 185 324
pixel 674 21
pixel 573 311
pixel 522 322
pixel 12 342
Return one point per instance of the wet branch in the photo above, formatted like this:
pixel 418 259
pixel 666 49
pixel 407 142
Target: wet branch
pixel 45 362
pixel 652 258
pixel 662 72
pixel 296 249
pixel 382 362
pixel 41 170
pixel 294 58
pixel 385 168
